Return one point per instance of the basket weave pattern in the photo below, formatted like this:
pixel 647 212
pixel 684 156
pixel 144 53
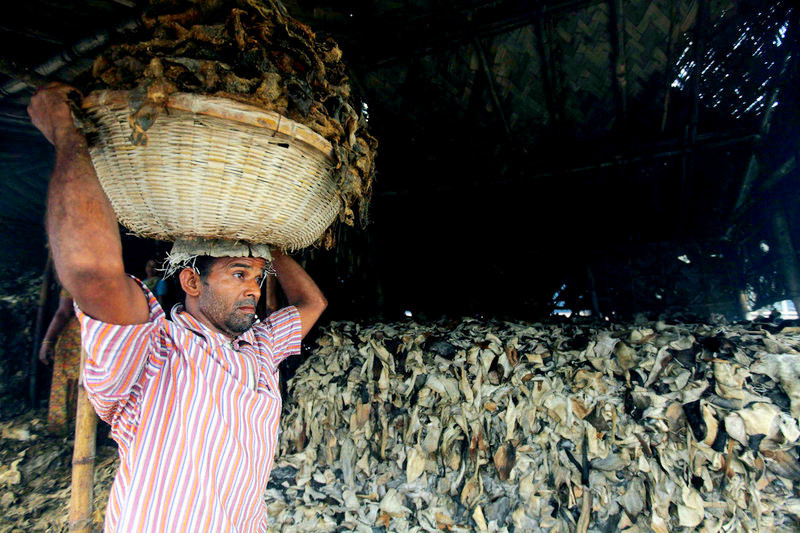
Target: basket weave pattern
pixel 214 168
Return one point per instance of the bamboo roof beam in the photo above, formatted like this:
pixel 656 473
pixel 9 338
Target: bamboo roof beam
pixel 33 77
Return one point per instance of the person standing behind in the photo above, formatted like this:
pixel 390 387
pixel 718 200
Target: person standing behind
pixel 62 346
pixel 155 283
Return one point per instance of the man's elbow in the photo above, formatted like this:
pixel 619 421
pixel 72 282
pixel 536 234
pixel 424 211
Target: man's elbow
pixel 85 272
pixel 320 304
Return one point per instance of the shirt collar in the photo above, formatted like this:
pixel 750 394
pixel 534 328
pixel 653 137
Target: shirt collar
pixel 183 318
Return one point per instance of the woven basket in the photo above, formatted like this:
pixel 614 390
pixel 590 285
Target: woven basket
pixel 214 168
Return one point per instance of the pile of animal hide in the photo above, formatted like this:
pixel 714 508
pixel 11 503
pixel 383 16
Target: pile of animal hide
pixel 251 51
pixel 497 426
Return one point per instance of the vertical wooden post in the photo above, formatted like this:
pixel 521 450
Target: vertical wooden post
pixel 80 502
pixel 744 307
pixel 37 331
pixel 593 292
pixel 786 254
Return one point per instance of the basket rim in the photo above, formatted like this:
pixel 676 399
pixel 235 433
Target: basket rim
pixel 224 108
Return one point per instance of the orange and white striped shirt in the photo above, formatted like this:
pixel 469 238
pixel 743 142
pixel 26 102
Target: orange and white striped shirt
pixel 195 416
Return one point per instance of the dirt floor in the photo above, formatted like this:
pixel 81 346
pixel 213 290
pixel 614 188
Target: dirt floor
pixel 35 472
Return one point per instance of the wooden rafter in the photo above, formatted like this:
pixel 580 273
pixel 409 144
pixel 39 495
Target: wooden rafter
pixel 669 67
pixel 752 167
pixel 492 87
pixel 650 152
pixel 487 71
pixel 619 68
pixel 426 34
pixel 545 71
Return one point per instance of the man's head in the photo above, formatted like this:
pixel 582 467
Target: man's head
pixel 222 292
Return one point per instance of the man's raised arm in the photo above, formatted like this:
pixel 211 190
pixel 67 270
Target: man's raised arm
pixel 81 225
pixel 300 290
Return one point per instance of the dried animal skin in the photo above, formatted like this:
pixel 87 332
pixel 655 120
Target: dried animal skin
pixel 729 379
pixel 9 474
pixel 634 498
pixel 691 510
pixel 392 504
pixel 734 425
pixel 415 464
pixel 504 460
pixel 785 368
pixel 480 521
pixel 626 356
pixel 760 419
pixel 472 491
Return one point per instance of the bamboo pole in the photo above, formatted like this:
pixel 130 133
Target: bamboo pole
pixel 80 502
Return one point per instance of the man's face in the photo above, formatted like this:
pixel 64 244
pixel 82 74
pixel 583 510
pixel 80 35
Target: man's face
pixel 230 292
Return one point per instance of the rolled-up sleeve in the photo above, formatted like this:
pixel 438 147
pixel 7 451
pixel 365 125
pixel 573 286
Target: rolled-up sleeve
pixel 116 357
pixel 284 333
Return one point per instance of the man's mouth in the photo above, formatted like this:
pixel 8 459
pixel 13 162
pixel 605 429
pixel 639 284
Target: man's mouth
pixel 247 307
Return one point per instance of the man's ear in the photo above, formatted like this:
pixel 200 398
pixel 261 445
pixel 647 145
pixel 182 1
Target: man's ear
pixel 190 282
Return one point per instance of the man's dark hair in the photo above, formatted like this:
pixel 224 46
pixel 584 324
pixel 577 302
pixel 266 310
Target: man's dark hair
pixel 204 264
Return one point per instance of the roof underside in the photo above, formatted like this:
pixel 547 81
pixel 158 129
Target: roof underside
pixel 550 130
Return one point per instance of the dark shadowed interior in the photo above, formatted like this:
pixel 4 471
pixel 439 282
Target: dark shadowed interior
pixel 535 157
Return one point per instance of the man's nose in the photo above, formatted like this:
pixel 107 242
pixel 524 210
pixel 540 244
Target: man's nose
pixel 253 289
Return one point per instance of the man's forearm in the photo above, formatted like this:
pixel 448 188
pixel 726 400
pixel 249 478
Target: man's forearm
pixel 298 286
pixel 60 319
pixel 300 290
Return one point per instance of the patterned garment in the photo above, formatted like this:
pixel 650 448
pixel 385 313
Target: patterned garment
pixel 64 387
pixel 195 416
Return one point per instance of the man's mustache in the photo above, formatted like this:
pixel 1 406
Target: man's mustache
pixel 247 303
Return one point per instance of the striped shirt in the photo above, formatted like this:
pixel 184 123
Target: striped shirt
pixel 195 416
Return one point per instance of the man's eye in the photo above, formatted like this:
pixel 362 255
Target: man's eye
pixel 239 275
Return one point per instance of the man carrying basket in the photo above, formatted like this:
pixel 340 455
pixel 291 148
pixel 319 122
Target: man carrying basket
pixel 193 402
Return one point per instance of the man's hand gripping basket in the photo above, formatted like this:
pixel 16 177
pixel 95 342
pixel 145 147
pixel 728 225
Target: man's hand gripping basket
pixel 214 168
